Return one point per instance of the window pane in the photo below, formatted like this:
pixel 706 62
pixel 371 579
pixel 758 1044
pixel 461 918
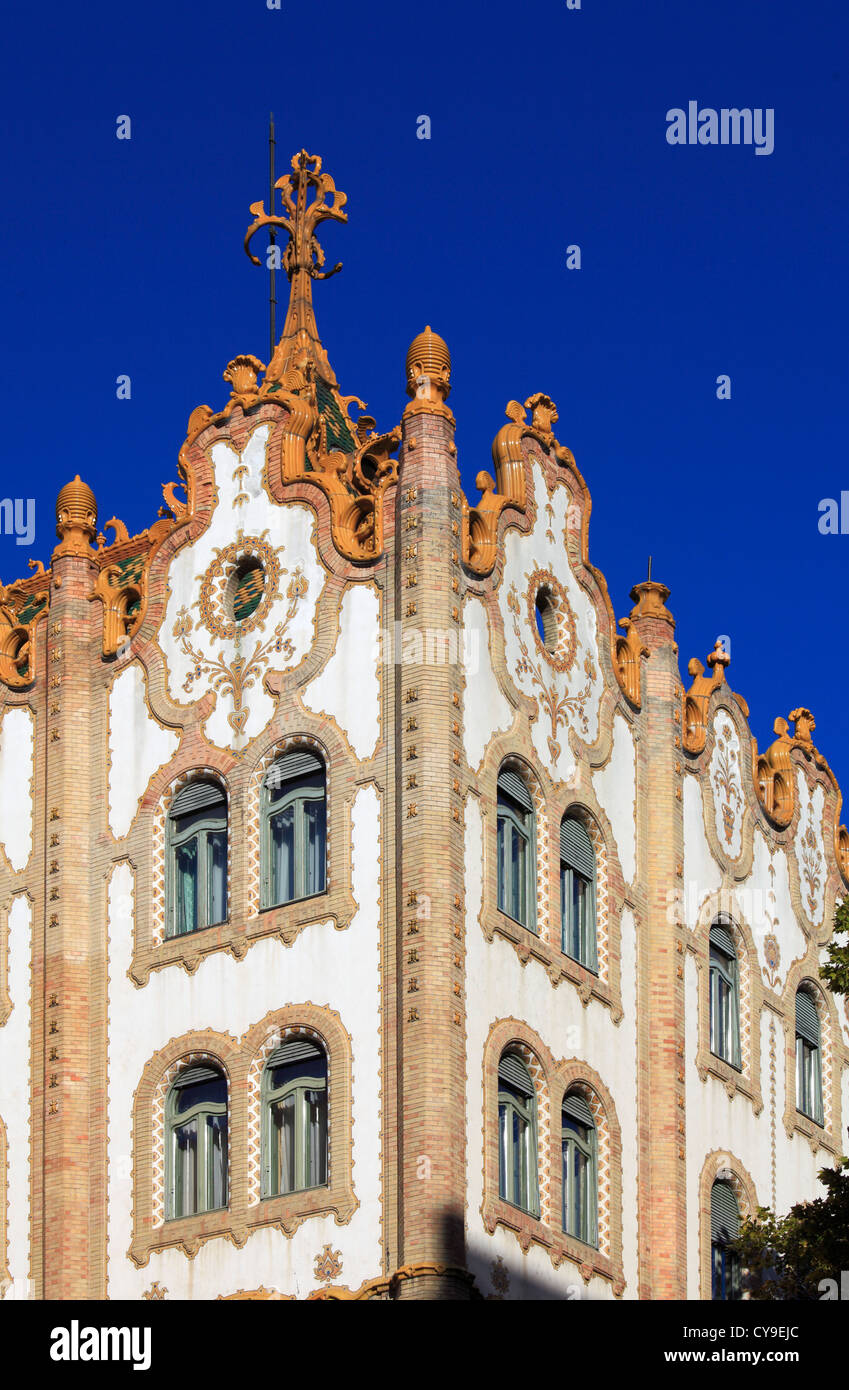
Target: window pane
pixel 502 869
pixel 185 1169
pixel 518 1160
pixel 283 1144
pixel 217 868
pixel 578 909
pixel 579 1212
pixel 316 1108
pixel 316 846
pixel 516 868
pixel 503 1151
pixel 283 856
pixel 186 858
pixel 204 1093
pixel 217 1157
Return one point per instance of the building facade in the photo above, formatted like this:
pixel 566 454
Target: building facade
pixel 378 916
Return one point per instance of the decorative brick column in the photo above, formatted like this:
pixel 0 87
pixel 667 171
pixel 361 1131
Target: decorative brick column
pixel 429 838
pixel 74 1158
pixel 660 1008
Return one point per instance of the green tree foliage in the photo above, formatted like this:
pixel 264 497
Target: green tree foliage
pixel 836 970
pixel 789 1256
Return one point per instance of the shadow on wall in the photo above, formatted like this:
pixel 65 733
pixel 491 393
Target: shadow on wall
pixel 507 1276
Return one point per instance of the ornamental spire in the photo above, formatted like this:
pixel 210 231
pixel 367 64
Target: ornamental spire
pixel 302 259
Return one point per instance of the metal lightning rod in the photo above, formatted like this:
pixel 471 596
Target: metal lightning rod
pixel 273 285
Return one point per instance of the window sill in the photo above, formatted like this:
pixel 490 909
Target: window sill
pixel 561 1247
pixel 239 933
pixel 558 965
pixel 734 1079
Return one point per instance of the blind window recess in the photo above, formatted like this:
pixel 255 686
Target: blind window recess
pixel 291 767
pixel 807 1019
pixel 198 796
pixel 576 848
pixel 724 1214
pixel 576 1108
pixel 512 785
pixel 515 1073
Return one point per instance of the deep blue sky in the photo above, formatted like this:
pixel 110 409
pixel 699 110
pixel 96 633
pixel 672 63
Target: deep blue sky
pixel 548 128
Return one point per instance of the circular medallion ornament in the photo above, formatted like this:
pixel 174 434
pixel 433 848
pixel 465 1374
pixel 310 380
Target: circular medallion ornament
pixel 248 564
pixel 552 620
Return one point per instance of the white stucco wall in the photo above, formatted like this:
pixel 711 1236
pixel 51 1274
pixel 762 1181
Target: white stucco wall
pixel 138 747
pixel 16 774
pixel 15 1090
pixel 616 788
pixel 487 709
pixel 348 689
pixel 336 969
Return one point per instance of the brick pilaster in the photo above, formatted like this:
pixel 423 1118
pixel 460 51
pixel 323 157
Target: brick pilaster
pixel 73 980
pixel 429 841
pixel 661 1092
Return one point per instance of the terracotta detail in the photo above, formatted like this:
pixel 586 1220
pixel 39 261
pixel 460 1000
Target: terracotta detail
pixel 17 667
pixel 76 518
pixel 697 698
pixel 428 375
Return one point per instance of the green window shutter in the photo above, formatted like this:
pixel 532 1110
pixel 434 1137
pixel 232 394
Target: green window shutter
pixel 721 938
pixel 576 1108
pixel 511 783
pixel 193 1076
pixel 292 765
pixel 197 796
pixel 299 1051
pixel 724 1214
pixel 576 847
pixel 516 1074
pixel 807 1019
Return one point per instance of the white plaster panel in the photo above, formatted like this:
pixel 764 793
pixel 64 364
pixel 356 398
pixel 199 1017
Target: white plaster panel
pixel 138 747
pixel 243 507
pixel 15 1091
pixel 348 689
pixel 336 969
pixel 701 872
pixel 810 851
pixel 567 699
pixel 487 710
pixel 768 907
pixel 498 986
pixel 727 785
pixel 616 787
pixel 16 774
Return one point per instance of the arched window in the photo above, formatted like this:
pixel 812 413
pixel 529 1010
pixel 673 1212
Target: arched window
pixel 577 893
pixel 724 1230
pixel 196 1121
pixel 294 848
pixel 724 996
pixel 808 1058
pixel 580 1169
pixel 294 1106
pixel 516 850
pixel 517 1135
pixel 197 857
